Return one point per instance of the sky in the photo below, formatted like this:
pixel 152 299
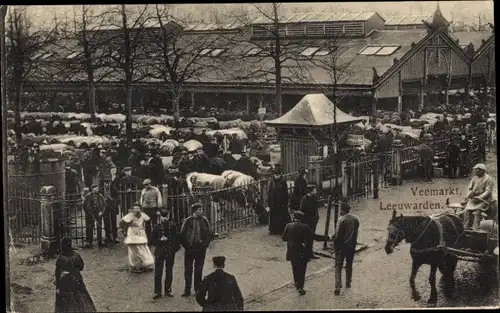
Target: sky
pixel 466 11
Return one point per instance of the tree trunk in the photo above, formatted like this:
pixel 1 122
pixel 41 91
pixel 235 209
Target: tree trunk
pixel 128 104
pixel 92 99
pixel 279 105
pixel 17 106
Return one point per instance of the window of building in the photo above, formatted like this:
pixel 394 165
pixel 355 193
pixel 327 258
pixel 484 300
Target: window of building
pixel 73 55
pixel 205 52
pixel 388 50
pixel 216 52
pixel 309 51
pixel 254 51
pixel 370 50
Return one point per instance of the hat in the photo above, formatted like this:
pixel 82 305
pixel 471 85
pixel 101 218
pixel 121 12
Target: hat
pixel 480 166
pixel 66 244
pixel 196 205
pixel 93 186
pixel 147 181
pixel 219 261
pixel 345 207
pixel 298 215
pixel 127 168
pixel 302 171
pixel 164 213
pixel 136 205
pixel 311 187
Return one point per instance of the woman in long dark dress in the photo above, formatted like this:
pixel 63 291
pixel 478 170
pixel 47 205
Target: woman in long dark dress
pixel 71 293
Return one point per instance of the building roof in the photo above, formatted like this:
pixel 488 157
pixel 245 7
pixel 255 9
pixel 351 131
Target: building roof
pixel 407 20
pixel 313 110
pixel 319 17
pixel 474 38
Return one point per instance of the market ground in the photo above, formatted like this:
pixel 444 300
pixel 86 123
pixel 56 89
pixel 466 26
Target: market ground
pixel 258 262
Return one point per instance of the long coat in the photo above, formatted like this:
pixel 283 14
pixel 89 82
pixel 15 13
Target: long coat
pixel 218 292
pixel 297 236
pixel 299 191
pixel 309 206
pixel 277 199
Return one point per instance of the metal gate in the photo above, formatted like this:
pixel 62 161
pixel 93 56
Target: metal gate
pixel 361 179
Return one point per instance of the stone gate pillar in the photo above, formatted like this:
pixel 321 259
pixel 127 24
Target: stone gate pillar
pixel 48 240
pixel 315 162
pixel 397 171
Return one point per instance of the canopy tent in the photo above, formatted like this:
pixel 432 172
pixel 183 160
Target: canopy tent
pixel 313 110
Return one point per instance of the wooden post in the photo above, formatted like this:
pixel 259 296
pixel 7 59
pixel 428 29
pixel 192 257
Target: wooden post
pixel 192 100
pixel 48 242
pixel 376 177
pixel 422 95
pixel 344 178
pixel 397 175
pixel 400 99
pixel 327 222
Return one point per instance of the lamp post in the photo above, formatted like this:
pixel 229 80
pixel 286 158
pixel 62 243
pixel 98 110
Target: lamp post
pixel 3 14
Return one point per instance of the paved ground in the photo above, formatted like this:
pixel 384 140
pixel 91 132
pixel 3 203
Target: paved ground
pixel 258 262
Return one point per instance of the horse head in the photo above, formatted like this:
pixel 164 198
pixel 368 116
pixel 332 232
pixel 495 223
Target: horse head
pixel 395 233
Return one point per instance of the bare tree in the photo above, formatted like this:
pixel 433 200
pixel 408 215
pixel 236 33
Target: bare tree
pixel 125 42
pixel 182 55
pixel 24 47
pixel 273 45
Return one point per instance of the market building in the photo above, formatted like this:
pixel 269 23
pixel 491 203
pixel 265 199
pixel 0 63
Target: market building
pixel 394 63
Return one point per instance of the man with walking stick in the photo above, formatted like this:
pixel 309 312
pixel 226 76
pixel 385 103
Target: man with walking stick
pixel 94 206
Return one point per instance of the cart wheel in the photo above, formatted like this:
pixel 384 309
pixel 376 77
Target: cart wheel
pixel 448 267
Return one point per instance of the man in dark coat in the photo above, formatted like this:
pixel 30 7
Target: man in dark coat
pixel 309 206
pixel 134 161
pixel 465 149
pixel 126 187
pixel 346 236
pixel 203 138
pixel 453 157
pixel 202 161
pixel 219 291
pixel 165 238
pixel 211 148
pixel 236 145
pixel 229 160
pixel 277 200
pixel 426 157
pixel 217 164
pixel 195 236
pixel 94 205
pixel 299 190
pixel 157 170
pixel 298 236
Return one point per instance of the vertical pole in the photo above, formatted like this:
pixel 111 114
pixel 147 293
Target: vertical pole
pixel 374 107
pixel 400 99
pixel 192 100
pixel 397 175
pixel 422 95
pixel 6 231
pixel 248 103
pixel 344 178
pixel 327 222
pixel 376 177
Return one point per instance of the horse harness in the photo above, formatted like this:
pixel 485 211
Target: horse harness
pixel 433 219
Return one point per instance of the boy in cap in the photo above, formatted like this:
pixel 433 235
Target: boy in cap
pixel 195 236
pixel 165 238
pixel 298 236
pixel 151 202
pixel 219 291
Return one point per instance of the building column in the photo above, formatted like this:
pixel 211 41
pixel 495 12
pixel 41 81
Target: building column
pixel 374 106
pixel 422 96
pixel 192 100
pixel 248 103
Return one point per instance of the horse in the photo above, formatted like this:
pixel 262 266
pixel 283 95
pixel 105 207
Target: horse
pixel 427 235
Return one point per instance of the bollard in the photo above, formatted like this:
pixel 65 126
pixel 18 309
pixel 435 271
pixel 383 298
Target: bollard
pixel 48 242
pixel 396 175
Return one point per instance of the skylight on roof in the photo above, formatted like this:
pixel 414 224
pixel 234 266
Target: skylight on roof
pixel 387 50
pixel 36 56
pixel 254 51
pixel 309 51
pixel 46 56
pixel 322 52
pixel 371 50
pixel 205 52
pixel 216 52
pixel 73 55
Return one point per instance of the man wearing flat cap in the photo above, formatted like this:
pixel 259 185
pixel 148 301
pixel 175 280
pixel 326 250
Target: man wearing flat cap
pixel 151 202
pixel 479 197
pixel 94 205
pixel 219 291
pixel 309 206
pixel 165 238
pixel 195 236
pixel 299 190
pixel 345 239
pixel 298 235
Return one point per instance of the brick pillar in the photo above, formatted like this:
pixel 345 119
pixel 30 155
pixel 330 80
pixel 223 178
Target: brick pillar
pixel 48 242
pixel 396 175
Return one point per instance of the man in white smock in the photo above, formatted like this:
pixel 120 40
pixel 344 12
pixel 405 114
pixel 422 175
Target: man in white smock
pixel 479 197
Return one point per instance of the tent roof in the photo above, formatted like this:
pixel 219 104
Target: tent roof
pixel 313 110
